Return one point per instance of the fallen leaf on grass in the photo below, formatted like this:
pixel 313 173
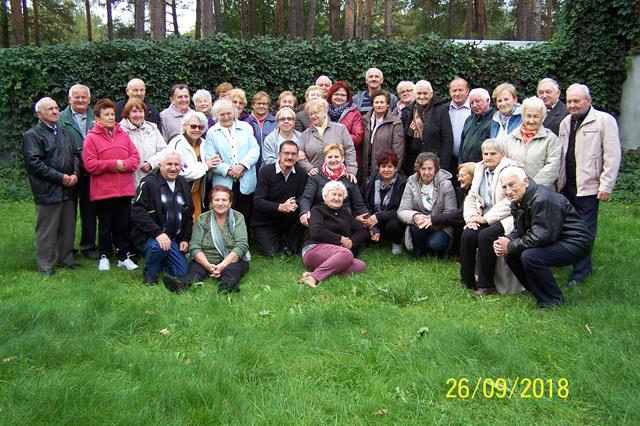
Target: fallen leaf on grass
pixel 422 331
pixel 588 329
pixel 164 331
pixel 382 412
pixel 9 358
pixel 148 312
pixel 264 312
pixel 363 331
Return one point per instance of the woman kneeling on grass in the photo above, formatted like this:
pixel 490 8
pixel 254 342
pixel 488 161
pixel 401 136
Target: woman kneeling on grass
pixel 334 236
pixel 219 246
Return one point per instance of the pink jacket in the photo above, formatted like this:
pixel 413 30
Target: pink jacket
pixel 100 155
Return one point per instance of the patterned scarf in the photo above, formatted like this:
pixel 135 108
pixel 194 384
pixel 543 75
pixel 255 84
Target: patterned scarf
pixel 381 203
pixel 527 135
pixel 336 113
pixel 417 124
pixel 334 174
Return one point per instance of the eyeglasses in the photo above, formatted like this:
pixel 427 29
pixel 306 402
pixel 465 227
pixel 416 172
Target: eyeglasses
pixel 402 92
pixel 261 104
pixel 196 126
pixel 461 175
pixel 286 119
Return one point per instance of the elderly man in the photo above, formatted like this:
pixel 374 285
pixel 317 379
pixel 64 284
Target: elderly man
pixel 374 79
pixel 477 126
pixel 324 83
pixel 77 119
pixel 52 164
pixel 137 89
pixel 549 92
pixel 459 111
pixel 487 217
pixel 548 232
pixel 162 219
pixel 172 116
pixel 589 165
pixel 275 203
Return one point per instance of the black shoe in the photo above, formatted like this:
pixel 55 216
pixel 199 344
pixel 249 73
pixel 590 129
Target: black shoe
pixel 147 279
pixel 48 272
pixel 91 254
pixel 72 266
pixel 288 252
pixel 173 284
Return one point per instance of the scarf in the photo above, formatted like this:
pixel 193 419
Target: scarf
pixel 417 125
pixel 527 135
pixel 334 174
pixel 336 113
pixel 381 185
pixel 216 234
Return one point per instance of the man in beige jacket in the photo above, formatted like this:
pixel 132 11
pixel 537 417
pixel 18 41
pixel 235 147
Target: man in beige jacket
pixel 589 165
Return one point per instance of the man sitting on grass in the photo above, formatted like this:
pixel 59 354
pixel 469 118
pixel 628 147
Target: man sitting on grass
pixel 162 219
pixel 547 232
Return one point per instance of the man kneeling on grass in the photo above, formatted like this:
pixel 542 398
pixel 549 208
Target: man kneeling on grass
pixel 162 219
pixel 547 232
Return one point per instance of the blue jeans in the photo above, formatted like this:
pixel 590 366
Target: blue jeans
pixel 172 261
pixel 428 240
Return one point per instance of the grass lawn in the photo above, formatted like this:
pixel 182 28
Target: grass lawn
pixel 86 348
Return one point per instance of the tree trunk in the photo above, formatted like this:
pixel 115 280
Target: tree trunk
pixel 468 27
pixel 241 18
pixel 25 18
pixel 17 22
pixel 207 17
pixel 252 18
pixel 138 23
pixel 5 24
pixel 450 18
pixel 109 21
pixel 548 30
pixel 279 19
pixel 87 12
pixel 311 19
pixel 348 31
pixel 293 16
pixel 360 20
pixel 174 15
pixel 366 30
pixel 158 17
pixel 388 16
pixel 218 12
pixel 535 23
pixel 197 32
pixel 334 19
pixel 36 21
pixel 522 19
pixel 481 19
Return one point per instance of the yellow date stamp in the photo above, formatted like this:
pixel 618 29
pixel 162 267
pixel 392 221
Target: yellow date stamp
pixel 505 388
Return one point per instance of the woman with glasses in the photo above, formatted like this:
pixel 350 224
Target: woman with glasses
pixel 343 111
pixel 286 118
pixel 406 94
pixel 262 121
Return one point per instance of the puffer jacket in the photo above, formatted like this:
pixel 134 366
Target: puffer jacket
pixel 352 120
pixel 540 156
pixel 389 135
pixel 496 131
pixel 148 141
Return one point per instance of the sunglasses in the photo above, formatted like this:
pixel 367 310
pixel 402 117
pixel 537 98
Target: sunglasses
pixel 196 126
pixel 285 119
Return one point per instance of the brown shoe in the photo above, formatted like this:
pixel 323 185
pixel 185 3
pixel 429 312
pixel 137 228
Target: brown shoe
pixel 482 292
pixel 308 280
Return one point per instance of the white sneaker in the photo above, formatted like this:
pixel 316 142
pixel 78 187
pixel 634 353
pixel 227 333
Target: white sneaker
pixel 396 248
pixel 103 263
pixel 127 263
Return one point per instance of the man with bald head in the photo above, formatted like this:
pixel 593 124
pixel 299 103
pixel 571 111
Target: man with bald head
pixel 325 83
pixel 137 89
pixel 374 79
pixel 549 92
pixel 477 126
pixel 591 155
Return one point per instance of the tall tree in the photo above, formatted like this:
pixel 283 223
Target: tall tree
pixel 4 22
pixel 311 19
pixel 25 18
pixel 174 17
pixel 109 20
pixel 251 15
pixel 469 15
pixel 388 16
pixel 548 28
pixel 158 19
pixel 87 11
pixel 366 33
pixel 481 19
pixel 17 22
pixel 296 23
pixel 334 19
pixel 450 18
pixel 207 18
pixel 242 18
pixel 349 16
pixel 138 18
pixel 197 33
pixel 279 19
pixel 218 12
pixel 360 20
pixel 535 27
pixel 36 21
pixel 523 17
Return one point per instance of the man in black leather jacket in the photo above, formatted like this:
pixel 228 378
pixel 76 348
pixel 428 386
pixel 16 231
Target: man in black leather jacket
pixel 52 163
pixel 547 232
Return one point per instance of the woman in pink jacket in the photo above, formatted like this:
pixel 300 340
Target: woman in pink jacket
pixel 111 159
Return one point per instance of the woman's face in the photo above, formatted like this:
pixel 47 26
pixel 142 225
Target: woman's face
pixel 286 120
pixel 220 202
pixel 427 171
pixel 505 102
pixel 193 129
pixel 315 94
pixel 387 171
pixel 136 116
pixel 407 94
pixel 339 98
pixel 203 105
pixel 107 118
pixel 423 95
pixel 334 159
pixel 288 101
pixel 225 117
pixel 464 178
pixel 531 119
pixel 317 116
pixel 334 198
pixel 239 104
pixel 380 105
pixel 261 107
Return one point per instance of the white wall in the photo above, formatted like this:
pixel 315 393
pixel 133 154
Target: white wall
pixel 630 107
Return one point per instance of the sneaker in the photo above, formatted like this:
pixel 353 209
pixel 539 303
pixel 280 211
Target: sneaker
pixel 103 263
pixel 127 263
pixel 396 249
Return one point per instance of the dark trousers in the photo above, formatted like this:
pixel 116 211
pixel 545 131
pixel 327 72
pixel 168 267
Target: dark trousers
pixel 88 217
pixel 229 279
pixel 242 202
pixel 587 208
pixel 269 238
pixel 479 242
pixel 55 234
pixel 428 240
pixel 113 226
pixel 532 268
pixel 392 230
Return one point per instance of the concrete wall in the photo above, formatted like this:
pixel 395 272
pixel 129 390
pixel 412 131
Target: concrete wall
pixel 630 107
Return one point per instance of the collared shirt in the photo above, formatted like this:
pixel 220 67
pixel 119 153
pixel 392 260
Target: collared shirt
pixel 458 115
pixel 81 121
pixel 486 187
pixel 279 170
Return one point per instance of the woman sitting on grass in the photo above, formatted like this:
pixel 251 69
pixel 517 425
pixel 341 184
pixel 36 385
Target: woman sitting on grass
pixel 219 246
pixel 334 236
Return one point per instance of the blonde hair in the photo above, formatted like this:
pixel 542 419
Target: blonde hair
pixel 233 93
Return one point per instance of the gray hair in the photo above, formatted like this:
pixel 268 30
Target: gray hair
pixel 404 84
pixel 550 81
pixel 285 109
pixel 38 107
pixel 222 104
pixel 334 185
pixel 323 77
pixel 78 86
pixel 201 93
pixel 516 171
pixel 496 144
pixel 584 89
pixel 480 91
pixel 317 103
pixel 194 114
pixel 166 153
pixel 534 103
pixel 375 69
pixel 424 83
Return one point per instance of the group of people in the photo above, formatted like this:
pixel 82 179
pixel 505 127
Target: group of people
pixel 509 191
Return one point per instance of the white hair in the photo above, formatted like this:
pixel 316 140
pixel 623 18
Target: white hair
pixel 405 83
pixel 194 114
pixel 201 93
pixel 168 152
pixel 334 185
pixel 38 107
pixel 516 171
pixel 581 87
pixel 534 103
pixel 323 77
pixel 78 86
pixel 424 83
pixel 480 91
pixel 496 144
pixel 222 104
pixel 285 109
pixel 375 69
pixel 550 81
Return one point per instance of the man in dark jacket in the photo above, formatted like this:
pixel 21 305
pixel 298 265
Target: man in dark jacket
pixel 477 126
pixel 549 91
pixel 162 219
pixel 137 89
pixel 547 232
pixel 52 163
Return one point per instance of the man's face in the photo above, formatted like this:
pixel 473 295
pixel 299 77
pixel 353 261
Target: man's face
pixel 491 158
pixel 49 112
pixel 288 156
pixel 181 99
pixel 324 83
pixel 513 187
pixel 548 93
pixel 170 167
pixel 374 79
pixel 479 104
pixel 577 102
pixel 79 100
pixel 423 94
pixel 459 91
pixel 136 89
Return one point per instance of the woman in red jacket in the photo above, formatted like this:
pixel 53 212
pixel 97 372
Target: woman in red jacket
pixel 111 159
pixel 343 111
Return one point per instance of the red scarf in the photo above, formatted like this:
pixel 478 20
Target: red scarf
pixel 526 135
pixel 334 174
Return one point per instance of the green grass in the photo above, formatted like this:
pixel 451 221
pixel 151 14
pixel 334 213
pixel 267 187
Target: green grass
pixel 84 347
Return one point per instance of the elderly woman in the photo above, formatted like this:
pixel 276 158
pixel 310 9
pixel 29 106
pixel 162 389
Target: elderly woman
pixel 382 194
pixel 324 132
pixel 286 100
pixel 334 236
pixel 535 146
pixel 285 117
pixel 219 246
pixel 111 160
pixel 428 192
pixel 382 130
pixel 194 166
pixel 261 120
pixel 239 99
pixel 508 117
pixel 202 102
pixel 145 136
pixel 427 125
pixel 333 168
pixel 233 141
pixel 407 93
pixel 302 117
pixel 343 111
pixel 223 89
pixel 487 215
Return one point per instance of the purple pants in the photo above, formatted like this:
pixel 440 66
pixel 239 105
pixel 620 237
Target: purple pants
pixel 328 259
